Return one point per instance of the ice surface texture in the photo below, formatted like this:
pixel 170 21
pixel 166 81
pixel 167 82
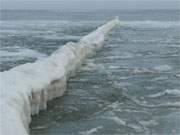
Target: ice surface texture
pixel 26 89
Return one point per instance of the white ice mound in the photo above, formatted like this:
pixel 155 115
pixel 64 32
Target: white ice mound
pixel 26 89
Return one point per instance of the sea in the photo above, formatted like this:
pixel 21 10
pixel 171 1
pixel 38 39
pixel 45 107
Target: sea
pixel 129 87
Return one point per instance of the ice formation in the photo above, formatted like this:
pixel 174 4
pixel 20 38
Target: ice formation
pixel 26 89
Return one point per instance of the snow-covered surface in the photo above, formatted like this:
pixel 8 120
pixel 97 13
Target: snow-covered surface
pixel 26 89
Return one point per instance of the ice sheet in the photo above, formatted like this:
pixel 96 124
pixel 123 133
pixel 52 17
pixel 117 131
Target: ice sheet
pixel 26 89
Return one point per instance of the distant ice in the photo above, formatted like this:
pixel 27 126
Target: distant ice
pixel 118 120
pixel 177 75
pixel 17 53
pixel 162 68
pixel 151 24
pixel 121 55
pixel 174 92
pixel 142 71
pixel 92 66
pixel 137 127
pixel 149 123
pixel 91 131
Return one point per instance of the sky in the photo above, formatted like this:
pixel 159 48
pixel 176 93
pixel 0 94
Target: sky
pixel 89 4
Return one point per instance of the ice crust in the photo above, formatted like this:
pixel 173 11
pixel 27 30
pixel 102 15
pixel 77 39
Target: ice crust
pixel 26 89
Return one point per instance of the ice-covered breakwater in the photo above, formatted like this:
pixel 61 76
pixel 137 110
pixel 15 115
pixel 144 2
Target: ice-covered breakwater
pixel 26 89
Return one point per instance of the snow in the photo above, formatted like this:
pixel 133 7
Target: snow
pixel 26 89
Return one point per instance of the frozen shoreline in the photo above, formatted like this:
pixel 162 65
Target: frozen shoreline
pixel 26 89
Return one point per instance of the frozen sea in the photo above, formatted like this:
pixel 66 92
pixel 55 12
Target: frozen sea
pixel 131 85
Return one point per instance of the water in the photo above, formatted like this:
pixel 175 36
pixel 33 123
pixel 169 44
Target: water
pixel 131 86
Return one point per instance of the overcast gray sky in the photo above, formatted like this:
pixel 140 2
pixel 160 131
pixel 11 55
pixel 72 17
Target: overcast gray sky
pixel 89 4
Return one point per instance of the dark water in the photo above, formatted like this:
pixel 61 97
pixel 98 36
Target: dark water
pixel 131 86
